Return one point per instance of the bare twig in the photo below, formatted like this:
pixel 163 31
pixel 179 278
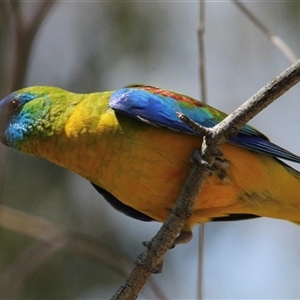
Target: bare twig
pixel 201 31
pixel 265 96
pixel 201 259
pixel 152 258
pixel 203 93
pixel 8 47
pixel 274 39
pixel 24 34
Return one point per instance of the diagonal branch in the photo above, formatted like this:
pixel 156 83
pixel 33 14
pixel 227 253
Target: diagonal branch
pixel 152 258
pixel 274 39
pixel 265 96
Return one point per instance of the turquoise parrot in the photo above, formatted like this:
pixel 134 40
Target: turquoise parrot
pixel 131 145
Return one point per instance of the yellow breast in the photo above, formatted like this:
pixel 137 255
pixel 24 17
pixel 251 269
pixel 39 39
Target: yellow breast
pixel 145 167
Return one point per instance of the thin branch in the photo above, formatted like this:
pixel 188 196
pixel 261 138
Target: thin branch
pixel 201 259
pixel 274 39
pixel 265 96
pixel 8 47
pixel 151 260
pixel 201 31
pixel 203 93
pixel 39 16
pixel 24 35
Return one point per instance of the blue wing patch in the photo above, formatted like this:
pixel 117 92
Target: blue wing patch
pixel 159 109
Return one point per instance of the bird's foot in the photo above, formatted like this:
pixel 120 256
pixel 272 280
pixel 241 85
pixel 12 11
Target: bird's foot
pixel 220 164
pixel 219 167
pixel 147 244
pixel 183 238
pixel 196 157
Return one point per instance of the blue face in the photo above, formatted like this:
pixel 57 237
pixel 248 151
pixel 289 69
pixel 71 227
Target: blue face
pixel 16 120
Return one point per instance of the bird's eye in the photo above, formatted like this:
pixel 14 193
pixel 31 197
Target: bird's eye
pixel 15 104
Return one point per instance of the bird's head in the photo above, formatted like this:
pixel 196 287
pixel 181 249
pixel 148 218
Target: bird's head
pixel 25 114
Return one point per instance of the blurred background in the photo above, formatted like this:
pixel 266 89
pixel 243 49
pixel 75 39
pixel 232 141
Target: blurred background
pixel 90 46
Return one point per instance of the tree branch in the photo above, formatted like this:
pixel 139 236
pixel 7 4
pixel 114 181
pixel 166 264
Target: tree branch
pixel 24 34
pixel 152 258
pixel 202 71
pixel 203 93
pixel 265 96
pixel 274 39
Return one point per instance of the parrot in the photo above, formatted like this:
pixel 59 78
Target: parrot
pixel 135 150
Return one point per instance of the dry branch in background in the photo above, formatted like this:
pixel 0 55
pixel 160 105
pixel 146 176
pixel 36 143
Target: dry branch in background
pixel 274 39
pixel 203 93
pixel 22 32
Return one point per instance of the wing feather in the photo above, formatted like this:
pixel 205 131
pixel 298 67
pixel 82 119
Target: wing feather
pixel 158 107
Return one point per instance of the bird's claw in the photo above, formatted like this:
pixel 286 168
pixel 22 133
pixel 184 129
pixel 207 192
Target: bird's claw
pixel 220 164
pixel 147 244
pixel 183 238
pixel 196 157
